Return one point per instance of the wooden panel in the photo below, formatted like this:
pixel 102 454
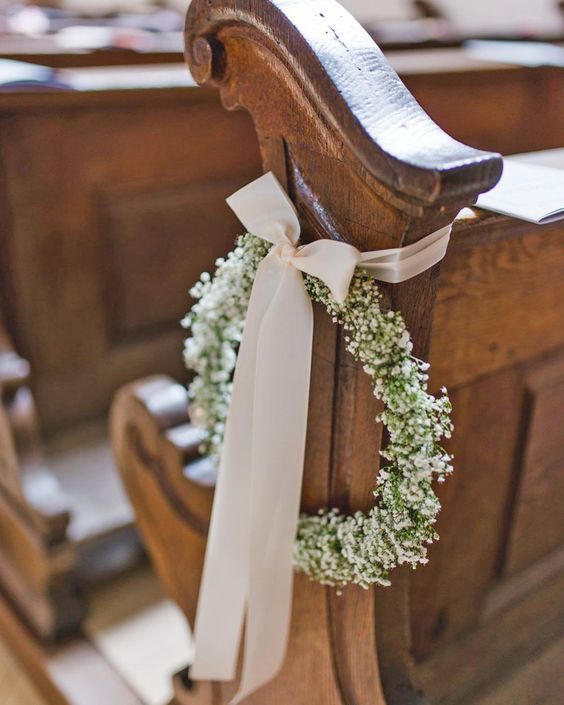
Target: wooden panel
pixel 499 301
pixel 39 579
pixel 497 310
pixel 61 169
pixel 447 594
pixel 539 681
pixel 538 520
pixel 158 240
pixel 498 650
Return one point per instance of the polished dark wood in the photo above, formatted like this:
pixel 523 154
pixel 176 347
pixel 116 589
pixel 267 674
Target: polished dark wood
pixel 503 366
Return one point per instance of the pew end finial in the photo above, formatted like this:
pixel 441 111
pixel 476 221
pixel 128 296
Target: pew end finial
pixel 334 121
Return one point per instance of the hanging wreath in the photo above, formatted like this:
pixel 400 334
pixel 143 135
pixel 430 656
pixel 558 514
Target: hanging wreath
pixel 330 547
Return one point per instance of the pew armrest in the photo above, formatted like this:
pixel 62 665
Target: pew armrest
pixel 168 483
pixel 24 474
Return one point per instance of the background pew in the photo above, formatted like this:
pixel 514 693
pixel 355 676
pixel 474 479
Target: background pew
pixel 89 206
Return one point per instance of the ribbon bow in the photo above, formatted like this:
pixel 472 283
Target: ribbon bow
pixel 248 566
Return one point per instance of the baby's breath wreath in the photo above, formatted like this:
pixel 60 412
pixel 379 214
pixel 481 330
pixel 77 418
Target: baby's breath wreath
pixel 333 548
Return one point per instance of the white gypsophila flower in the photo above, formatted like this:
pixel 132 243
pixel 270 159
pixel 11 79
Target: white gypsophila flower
pixel 216 323
pixel 334 548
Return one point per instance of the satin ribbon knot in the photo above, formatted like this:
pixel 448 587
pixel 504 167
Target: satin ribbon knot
pixel 287 252
pixel 248 571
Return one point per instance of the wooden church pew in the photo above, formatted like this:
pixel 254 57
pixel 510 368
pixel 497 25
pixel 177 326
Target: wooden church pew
pixel 468 623
pixel 62 530
pixel 140 347
pixel 102 163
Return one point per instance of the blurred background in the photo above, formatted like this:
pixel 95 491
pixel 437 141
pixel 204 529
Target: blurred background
pixel 154 26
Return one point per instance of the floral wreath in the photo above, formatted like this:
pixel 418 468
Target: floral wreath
pixel 330 547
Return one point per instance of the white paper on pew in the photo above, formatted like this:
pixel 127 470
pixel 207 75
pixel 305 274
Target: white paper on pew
pixel 527 191
pixel 544 157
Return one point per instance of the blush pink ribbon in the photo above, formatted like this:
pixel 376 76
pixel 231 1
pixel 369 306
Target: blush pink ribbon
pixel 248 572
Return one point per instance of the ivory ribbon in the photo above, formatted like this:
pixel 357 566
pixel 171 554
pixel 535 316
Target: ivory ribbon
pixel 248 568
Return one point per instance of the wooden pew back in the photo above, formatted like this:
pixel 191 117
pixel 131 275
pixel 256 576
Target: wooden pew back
pixel 364 164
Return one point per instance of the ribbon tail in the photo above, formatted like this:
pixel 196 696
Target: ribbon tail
pixel 224 586
pixel 399 264
pixel 278 447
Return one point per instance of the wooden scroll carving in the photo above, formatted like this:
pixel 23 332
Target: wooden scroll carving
pixel 364 164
